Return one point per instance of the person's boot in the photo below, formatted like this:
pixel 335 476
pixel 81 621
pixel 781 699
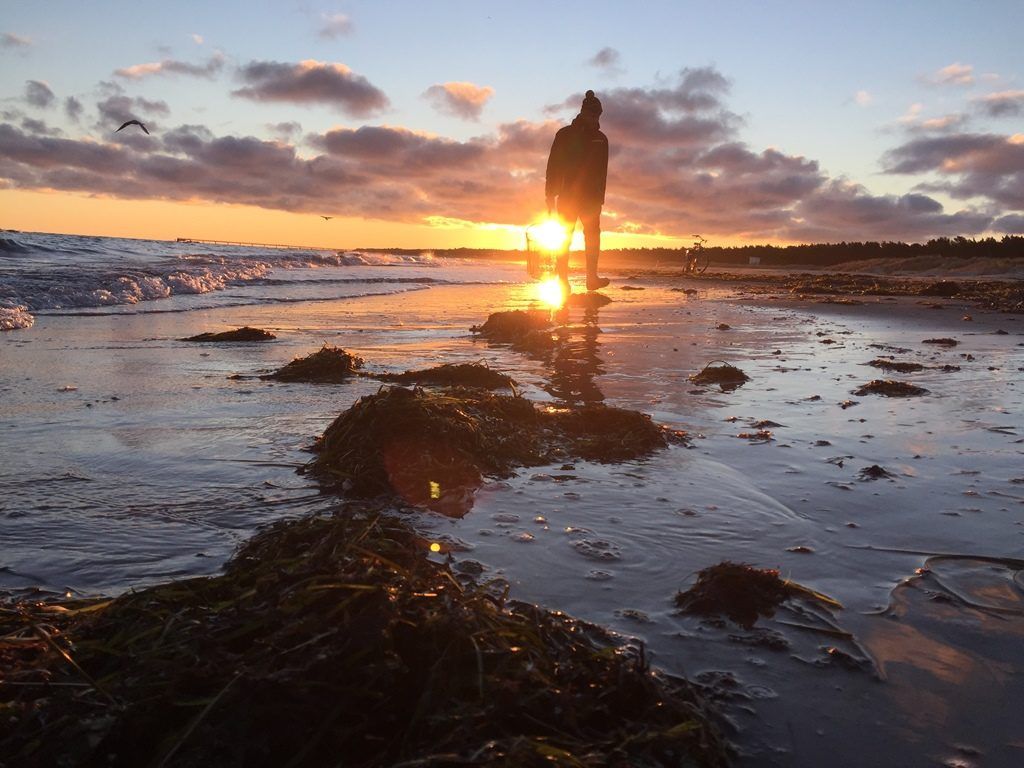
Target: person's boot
pixel 594 282
pixel 562 271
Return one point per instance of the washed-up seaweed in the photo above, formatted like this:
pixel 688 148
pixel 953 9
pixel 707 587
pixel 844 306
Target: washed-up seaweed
pixel 726 376
pixel 326 365
pixel 454 375
pixel 246 333
pixel 889 388
pixel 523 330
pixel 742 593
pixel 896 365
pixel 332 639
pixel 433 449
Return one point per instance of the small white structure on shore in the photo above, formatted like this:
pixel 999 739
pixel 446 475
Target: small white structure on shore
pixel 755 260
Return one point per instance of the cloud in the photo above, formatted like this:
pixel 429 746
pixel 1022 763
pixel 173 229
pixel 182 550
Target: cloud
pixel 208 70
pixel 11 40
pixel 334 25
pixel 73 108
pixel 843 206
pixel 863 98
pixel 608 60
pixel 678 165
pixel 312 82
pixel 285 130
pixel 969 165
pixel 954 74
pixel 463 100
pixel 38 94
pixel 1001 104
pixel 197 38
pixel 31 125
pixel 118 108
pixel 1011 224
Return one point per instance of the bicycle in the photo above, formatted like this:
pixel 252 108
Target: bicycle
pixel 696 257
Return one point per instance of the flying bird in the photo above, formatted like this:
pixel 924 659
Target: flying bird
pixel 134 122
pixel 326 218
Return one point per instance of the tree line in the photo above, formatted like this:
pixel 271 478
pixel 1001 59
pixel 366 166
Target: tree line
pixel 812 254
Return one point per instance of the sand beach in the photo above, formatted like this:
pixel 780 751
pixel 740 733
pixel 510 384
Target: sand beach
pixel 132 458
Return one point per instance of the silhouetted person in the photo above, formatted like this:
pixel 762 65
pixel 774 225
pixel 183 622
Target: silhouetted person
pixel 576 176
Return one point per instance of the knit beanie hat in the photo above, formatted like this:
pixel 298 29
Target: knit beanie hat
pixel 591 105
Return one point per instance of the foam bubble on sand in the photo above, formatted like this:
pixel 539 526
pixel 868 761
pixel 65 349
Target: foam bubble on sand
pixel 13 318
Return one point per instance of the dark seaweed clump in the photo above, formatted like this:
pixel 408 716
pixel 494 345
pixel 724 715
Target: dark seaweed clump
pixel 454 375
pixel 433 448
pixel 896 365
pixel 524 330
pixel 890 388
pixel 327 640
pixel 741 592
pixel 327 365
pixel 725 376
pixel 246 333
pixel 943 342
pixel 946 288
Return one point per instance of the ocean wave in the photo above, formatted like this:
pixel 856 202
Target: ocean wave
pixel 13 318
pixel 9 245
pixel 43 274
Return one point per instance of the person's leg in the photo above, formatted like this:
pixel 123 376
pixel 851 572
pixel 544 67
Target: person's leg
pixel 592 237
pixel 568 212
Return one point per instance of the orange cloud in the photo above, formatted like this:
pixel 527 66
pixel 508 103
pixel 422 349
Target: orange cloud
pixel 463 100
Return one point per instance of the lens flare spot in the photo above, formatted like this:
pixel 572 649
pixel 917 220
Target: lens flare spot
pixel 551 291
pixel 435 547
pixel 435 490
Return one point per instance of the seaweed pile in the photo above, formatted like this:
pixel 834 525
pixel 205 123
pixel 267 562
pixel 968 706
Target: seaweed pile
pixel 889 388
pixel 327 365
pixel 453 375
pixel 742 593
pixel 726 376
pixel 245 333
pixel 895 365
pixel 433 449
pixel 525 331
pixel 327 639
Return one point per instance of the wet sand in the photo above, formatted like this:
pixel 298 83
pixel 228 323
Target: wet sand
pixel 101 494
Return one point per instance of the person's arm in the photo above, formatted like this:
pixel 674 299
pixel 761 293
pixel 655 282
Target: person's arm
pixel 555 171
pixel 603 166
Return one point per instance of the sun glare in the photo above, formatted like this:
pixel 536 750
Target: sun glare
pixel 550 235
pixel 551 291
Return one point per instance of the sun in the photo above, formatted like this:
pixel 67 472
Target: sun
pixel 550 235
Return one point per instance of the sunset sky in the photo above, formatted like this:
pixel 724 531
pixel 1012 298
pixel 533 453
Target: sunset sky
pixel 428 124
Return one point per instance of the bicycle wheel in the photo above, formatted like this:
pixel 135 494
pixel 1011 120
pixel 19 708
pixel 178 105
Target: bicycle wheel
pixel 701 262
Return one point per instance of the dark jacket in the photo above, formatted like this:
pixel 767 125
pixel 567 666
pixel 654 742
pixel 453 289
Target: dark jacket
pixel 578 164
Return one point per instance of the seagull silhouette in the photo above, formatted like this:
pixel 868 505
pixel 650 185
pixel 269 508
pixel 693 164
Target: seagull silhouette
pixel 134 122
pixel 326 218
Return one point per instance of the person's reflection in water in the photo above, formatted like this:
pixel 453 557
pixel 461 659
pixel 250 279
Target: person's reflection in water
pixel 574 360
